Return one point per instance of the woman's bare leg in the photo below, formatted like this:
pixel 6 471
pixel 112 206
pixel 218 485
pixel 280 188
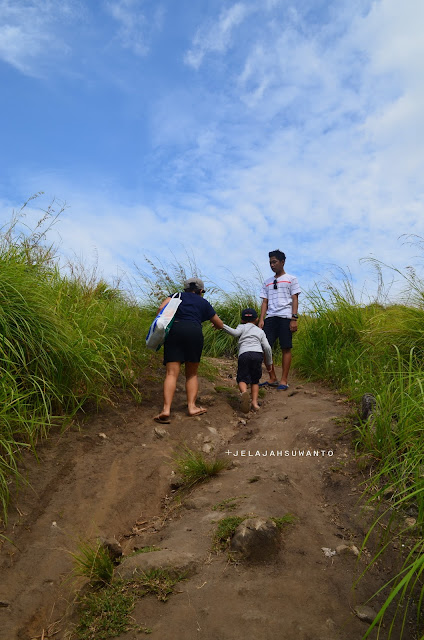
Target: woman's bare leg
pixel 192 387
pixel 169 386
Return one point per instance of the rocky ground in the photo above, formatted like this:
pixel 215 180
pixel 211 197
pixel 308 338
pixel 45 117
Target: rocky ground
pixel 112 478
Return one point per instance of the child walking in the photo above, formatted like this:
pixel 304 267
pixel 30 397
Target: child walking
pixel 253 345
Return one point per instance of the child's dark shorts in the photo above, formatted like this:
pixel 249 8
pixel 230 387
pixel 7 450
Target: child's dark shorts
pixel 249 368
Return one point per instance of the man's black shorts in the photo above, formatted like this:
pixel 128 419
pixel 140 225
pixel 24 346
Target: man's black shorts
pixel 276 327
pixel 249 368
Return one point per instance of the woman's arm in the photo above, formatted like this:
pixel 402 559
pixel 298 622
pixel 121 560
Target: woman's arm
pixel 164 303
pixel 217 322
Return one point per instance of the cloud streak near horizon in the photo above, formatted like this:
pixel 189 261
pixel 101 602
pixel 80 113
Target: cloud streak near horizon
pixel 221 131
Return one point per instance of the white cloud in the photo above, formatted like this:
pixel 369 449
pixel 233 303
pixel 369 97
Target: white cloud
pixel 28 32
pixel 309 140
pixel 216 37
pixel 132 24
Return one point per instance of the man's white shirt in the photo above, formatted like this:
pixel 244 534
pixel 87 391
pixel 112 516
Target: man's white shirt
pixel 280 299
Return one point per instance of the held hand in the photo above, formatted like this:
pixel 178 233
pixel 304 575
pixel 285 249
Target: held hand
pixel 293 325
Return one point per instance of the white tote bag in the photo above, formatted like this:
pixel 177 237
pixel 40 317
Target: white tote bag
pixel 162 324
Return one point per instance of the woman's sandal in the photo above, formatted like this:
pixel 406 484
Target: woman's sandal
pixel 198 413
pixel 162 419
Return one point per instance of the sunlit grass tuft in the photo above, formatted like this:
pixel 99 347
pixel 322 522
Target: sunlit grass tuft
pixel 193 466
pixel 93 561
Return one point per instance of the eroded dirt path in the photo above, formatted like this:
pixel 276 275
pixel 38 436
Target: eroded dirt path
pixel 87 485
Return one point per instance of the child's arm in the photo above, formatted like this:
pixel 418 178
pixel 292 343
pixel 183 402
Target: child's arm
pixel 236 333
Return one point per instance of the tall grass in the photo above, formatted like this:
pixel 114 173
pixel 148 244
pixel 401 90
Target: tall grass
pixel 378 349
pixel 64 340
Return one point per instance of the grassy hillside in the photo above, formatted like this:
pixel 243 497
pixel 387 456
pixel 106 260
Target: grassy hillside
pixel 379 350
pixel 64 340
pixel 70 338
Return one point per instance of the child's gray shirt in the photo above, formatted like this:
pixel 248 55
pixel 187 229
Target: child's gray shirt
pixel 251 338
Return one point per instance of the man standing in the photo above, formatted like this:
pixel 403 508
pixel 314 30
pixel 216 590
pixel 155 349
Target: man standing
pixel 280 304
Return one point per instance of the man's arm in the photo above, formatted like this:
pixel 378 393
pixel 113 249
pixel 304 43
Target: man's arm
pixel 295 307
pixel 267 352
pixel 264 308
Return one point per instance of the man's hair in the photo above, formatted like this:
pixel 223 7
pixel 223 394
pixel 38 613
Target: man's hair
pixel 280 255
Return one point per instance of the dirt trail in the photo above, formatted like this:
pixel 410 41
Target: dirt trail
pixel 87 485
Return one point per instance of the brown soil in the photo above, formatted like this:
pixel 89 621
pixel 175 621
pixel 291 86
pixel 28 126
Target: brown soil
pixel 86 485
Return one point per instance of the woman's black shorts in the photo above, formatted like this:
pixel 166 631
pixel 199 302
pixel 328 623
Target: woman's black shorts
pixel 184 342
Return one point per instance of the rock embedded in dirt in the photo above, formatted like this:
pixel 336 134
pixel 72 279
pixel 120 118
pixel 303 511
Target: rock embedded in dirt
pixel 196 503
pixel 207 448
pixel 176 562
pixel 176 482
pixel 160 432
pixel 292 393
pixel 389 492
pixel 347 548
pixel 410 522
pixel 281 477
pixel 368 405
pixel 208 401
pixel 256 539
pixel 112 546
pixel 365 613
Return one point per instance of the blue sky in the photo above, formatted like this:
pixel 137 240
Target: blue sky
pixel 219 129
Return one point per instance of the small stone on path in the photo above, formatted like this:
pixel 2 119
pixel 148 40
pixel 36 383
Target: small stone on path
pixel 347 548
pixel 365 613
pixel 256 539
pixel 176 562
